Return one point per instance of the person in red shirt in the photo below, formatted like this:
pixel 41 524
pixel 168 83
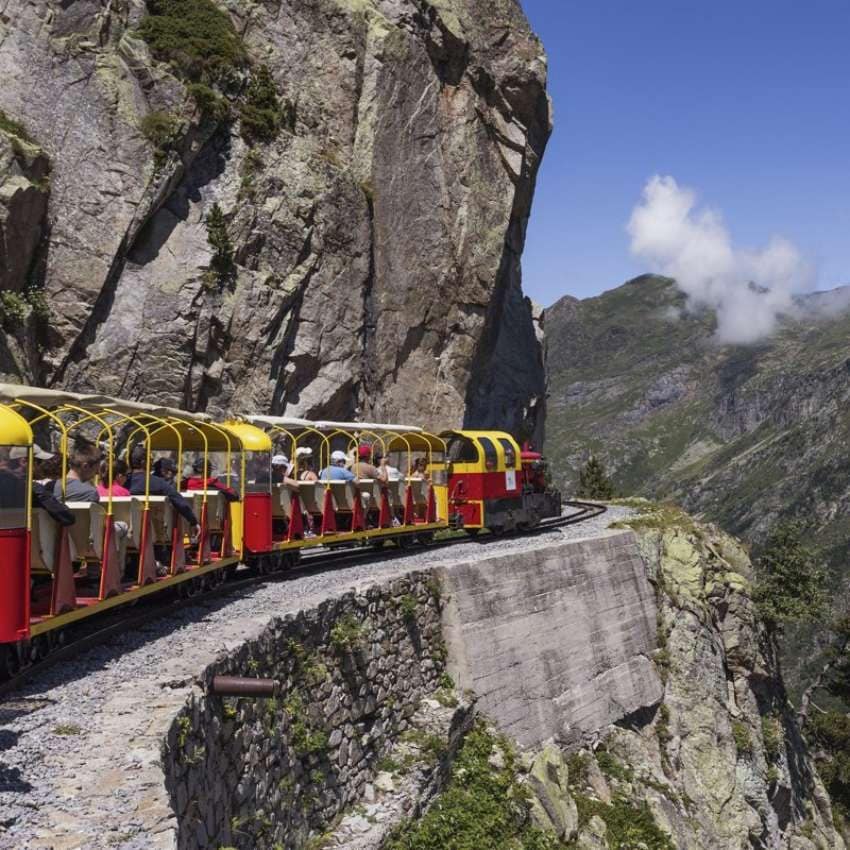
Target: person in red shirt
pixel 119 476
pixel 198 482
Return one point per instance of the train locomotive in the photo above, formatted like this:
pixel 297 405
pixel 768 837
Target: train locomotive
pixel 247 511
pixel 493 484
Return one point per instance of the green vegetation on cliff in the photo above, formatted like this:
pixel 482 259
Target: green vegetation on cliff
pixel 791 582
pixel 483 806
pixel 201 44
pixel 222 266
pixel 194 36
pixel 260 115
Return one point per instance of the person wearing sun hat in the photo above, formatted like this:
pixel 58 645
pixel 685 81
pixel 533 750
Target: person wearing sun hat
pixel 304 461
pixel 365 468
pixel 336 471
pixel 280 468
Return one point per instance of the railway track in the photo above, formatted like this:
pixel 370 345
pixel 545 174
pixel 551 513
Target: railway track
pixel 85 636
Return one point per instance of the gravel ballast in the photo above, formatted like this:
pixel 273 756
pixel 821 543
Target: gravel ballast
pixel 72 736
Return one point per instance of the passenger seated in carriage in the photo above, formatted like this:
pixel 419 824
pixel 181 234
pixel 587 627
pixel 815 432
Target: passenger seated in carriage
pixel 196 481
pixel 306 472
pixel 393 474
pixel 336 471
pixel 13 477
pixel 280 468
pixel 119 476
pixel 83 466
pixel 85 462
pixel 420 469
pixel 304 457
pixel 46 467
pixel 159 485
pixel 365 469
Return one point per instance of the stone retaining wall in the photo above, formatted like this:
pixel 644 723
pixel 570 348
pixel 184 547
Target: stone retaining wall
pixel 265 773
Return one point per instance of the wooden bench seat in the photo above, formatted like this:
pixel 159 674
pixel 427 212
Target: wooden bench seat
pixel 371 490
pixel 419 486
pixel 345 493
pixel 311 494
pixel 217 511
pixel 396 492
pixel 282 501
pixel 43 542
pixel 87 531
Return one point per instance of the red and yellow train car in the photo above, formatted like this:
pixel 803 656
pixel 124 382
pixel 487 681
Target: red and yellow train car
pixel 206 497
pixel 492 484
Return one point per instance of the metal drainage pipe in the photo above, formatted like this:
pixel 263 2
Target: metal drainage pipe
pixel 238 686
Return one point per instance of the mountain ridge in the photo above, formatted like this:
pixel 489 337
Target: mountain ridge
pixel 637 378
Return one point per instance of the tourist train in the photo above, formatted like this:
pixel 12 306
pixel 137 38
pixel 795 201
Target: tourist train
pixel 104 501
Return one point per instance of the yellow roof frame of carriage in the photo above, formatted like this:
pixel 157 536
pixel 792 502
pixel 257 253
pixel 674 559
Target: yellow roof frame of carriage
pixel 14 429
pixel 47 398
pixel 253 439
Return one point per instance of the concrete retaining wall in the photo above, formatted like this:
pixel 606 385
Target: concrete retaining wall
pixel 555 644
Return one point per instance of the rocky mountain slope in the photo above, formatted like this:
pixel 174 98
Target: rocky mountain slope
pixel 717 761
pixel 720 763
pixel 374 160
pixel 741 435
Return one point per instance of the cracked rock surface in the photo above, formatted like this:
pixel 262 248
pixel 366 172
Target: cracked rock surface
pixel 377 239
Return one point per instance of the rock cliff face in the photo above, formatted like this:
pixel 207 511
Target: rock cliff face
pixel 714 759
pixel 721 763
pixel 377 238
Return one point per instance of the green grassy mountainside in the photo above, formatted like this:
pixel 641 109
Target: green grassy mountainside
pixel 741 436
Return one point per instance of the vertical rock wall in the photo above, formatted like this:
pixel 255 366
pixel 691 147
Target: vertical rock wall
pixel 378 238
pixel 557 644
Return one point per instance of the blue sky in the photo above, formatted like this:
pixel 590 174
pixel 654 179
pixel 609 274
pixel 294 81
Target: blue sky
pixel 745 101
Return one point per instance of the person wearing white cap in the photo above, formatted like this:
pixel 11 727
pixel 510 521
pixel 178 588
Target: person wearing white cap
pixel 280 468
pixel 337 471
pixel 13 478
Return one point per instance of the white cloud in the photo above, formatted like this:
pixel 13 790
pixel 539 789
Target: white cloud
pixel 749 290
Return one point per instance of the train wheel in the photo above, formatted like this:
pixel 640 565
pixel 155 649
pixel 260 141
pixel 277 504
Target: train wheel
pixel 473 532
pixel 425 538
pixel 379 543
pixel 497 530
pixel 191 587
pixel 9 663
pixel 262 565
pixel 405 541
pixel 39 648
pixel 216 579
